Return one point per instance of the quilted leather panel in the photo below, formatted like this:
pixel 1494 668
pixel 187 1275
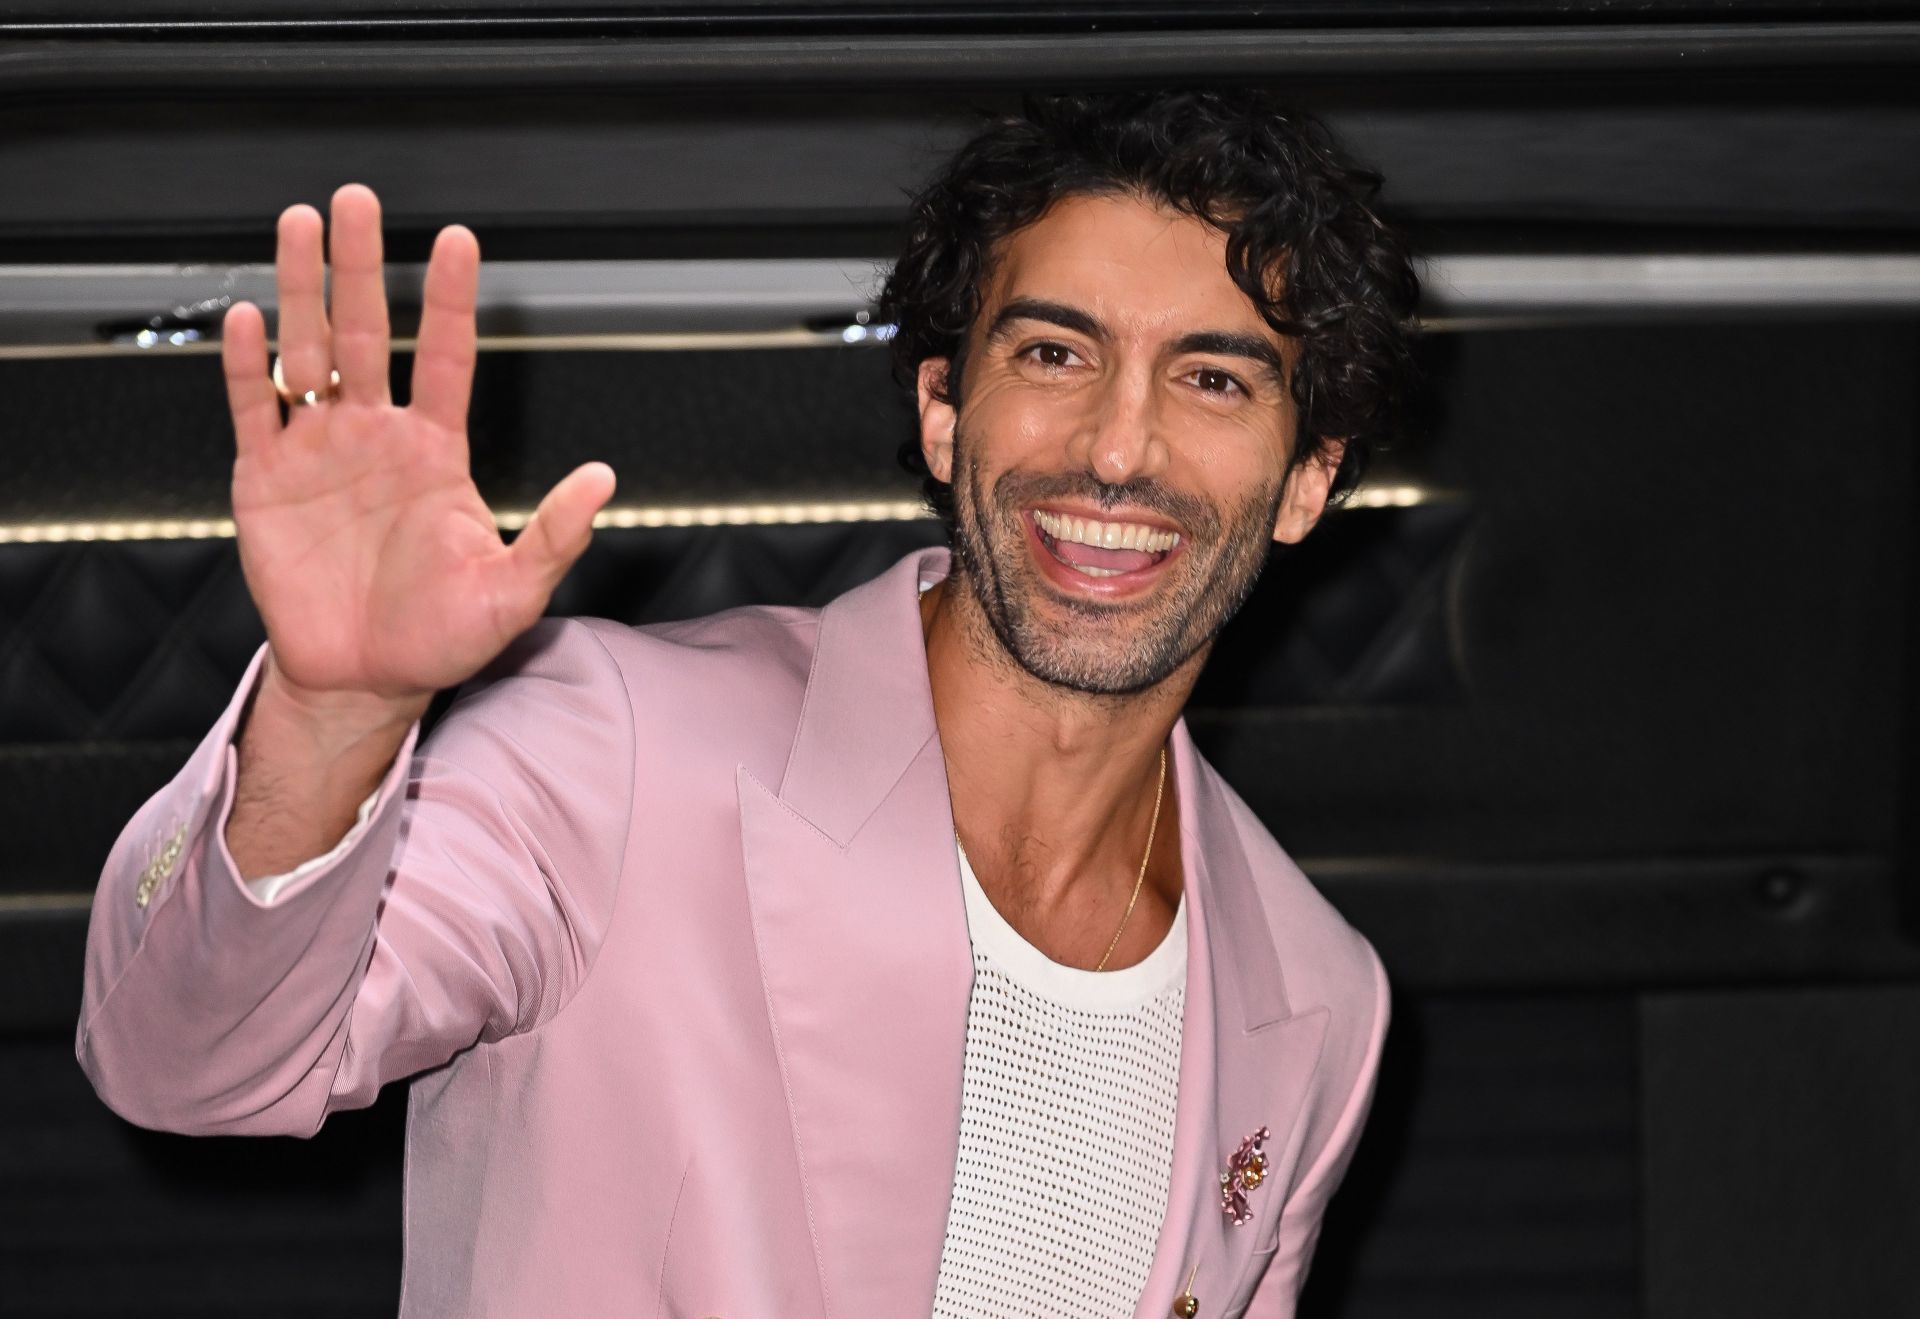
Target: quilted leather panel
pixel 141 641
pixel 116 656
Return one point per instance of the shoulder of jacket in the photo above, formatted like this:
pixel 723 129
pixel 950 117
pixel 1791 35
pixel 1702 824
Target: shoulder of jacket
pixel 704 673
pixel 720 691
pixel 761 643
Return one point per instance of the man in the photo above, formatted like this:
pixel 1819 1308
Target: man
pixel 902 957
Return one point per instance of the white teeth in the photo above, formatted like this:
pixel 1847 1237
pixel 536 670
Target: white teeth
pixel 1106 535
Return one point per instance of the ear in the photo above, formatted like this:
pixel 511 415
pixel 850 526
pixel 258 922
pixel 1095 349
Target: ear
pixel 936 418
pixel 1304 497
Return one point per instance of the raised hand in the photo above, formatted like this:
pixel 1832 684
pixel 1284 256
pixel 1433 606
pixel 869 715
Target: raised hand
pixel 374 562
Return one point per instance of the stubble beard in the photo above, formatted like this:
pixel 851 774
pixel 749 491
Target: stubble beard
pixel 1090 647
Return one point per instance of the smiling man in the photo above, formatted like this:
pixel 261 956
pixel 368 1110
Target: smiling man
pixel 902 957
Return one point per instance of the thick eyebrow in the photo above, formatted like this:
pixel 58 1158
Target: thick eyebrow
pixel 1226 343
pixel 1229 344
pixel 1054 313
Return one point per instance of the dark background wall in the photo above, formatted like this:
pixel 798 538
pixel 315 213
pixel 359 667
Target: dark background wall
pixel 1608 742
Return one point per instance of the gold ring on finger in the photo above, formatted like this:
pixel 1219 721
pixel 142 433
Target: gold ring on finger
pixel 311 396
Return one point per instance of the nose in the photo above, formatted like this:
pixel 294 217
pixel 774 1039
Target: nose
pixel 1120 437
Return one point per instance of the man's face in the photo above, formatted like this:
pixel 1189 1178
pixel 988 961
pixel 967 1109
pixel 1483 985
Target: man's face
pixel 1118 448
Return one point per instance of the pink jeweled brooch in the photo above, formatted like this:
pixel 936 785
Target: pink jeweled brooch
pixel 1245 1171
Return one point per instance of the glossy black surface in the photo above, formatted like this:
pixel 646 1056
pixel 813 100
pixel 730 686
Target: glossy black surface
pixel 680 16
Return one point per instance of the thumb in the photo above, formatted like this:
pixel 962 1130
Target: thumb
pixel 561 528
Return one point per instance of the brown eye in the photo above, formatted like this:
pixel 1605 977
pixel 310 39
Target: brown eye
pixel 1055 356
pixel 1216 381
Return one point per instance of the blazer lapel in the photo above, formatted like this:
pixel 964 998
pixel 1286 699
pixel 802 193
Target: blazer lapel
pixel 861 931
pixel 1246 1060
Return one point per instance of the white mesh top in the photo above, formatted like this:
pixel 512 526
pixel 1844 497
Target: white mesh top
pixel 1066 1127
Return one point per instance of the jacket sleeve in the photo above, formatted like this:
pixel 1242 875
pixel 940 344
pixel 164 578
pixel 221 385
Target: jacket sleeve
pixel 469 907
pixel 268 887
pixel 1279 1290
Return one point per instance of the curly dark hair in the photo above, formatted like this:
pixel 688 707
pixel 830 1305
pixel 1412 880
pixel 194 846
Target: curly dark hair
pixel 1303 242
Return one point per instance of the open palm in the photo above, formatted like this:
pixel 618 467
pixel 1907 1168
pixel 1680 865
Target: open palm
pixel 375 564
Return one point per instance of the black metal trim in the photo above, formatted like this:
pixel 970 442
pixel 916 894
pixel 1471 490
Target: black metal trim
pixel 170 19
pixel 42 66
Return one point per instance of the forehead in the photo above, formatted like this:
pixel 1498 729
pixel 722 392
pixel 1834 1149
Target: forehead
pixel 1138 267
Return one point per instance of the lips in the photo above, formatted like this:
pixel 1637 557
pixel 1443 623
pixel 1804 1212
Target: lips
pixel 1126 561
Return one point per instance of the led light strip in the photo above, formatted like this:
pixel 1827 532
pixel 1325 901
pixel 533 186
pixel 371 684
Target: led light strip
pixel 30 533
pixel 843 511
pixel 645 516
pixel 28 904
pixel 1397 496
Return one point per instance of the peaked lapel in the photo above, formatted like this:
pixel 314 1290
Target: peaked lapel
pixel 1246 1060
pixel 861 929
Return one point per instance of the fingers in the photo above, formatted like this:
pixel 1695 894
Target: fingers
pixel 306 358
pixel 250 396
pixel 443 357
pixel 561 529
pixel 360 333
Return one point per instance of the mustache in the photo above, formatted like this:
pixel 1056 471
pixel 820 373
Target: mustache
pixel 1199 519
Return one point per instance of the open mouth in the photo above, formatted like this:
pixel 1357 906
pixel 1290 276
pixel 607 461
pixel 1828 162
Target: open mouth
pixel 1090 552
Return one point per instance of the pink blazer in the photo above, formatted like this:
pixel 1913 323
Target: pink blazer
pixel 666 925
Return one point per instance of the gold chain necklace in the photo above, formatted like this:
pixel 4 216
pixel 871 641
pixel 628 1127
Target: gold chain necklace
pixel 1140 878
pixel 1159 789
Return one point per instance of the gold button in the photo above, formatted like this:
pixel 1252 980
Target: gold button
pixel 1185 1306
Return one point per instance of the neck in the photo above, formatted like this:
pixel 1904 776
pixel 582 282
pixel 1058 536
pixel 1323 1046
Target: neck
pixel 1053 789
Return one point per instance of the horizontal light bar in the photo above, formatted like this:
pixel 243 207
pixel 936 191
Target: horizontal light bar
pixel 619 518
pixel 695 341
pixel 64 310
pixel 646 516
pixel 613 304
pixel 35 904
pixel 747 515
pixel 1396 496
pixel 1483 286
pixel 31 533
